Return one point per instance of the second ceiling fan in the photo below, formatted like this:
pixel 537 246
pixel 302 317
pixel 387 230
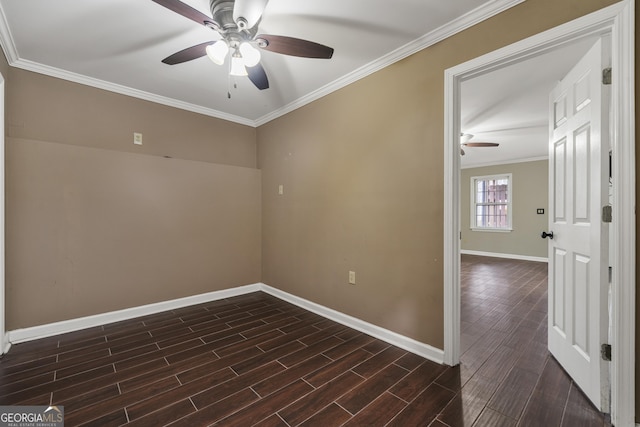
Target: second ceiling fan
pixel 237 24
pixel 465 141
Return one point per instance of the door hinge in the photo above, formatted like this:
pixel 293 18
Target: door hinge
pixel 605 352
pixel 606 76
pixel 607 213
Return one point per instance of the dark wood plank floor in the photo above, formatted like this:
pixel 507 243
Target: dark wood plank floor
pixel 256 360
pixel 508 376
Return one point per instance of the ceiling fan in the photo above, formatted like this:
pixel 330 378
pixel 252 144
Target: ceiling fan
pixel 237 23
pixel 465 139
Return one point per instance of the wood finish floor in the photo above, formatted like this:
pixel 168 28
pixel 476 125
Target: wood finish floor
pixel 256 360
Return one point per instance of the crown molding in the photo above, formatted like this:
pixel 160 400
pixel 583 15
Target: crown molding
pixel 125 90
pixel 504 162
pixel 481 13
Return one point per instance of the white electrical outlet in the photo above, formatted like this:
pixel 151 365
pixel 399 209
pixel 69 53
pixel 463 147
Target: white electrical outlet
pixel 352 277
pixel 137 138
pixel 281 189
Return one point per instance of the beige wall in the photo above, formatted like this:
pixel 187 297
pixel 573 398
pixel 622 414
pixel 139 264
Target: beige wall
pixel 44 108
pixel 95 223
pixel 530 192
pixel 362 170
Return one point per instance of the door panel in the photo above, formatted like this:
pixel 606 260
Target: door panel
pixel 559 188
pixel 558 300
pixel 581 295
pixel 578 155
pixel 582 189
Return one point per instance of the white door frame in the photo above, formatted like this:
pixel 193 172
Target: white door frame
pixel 617 20
pixel 4 337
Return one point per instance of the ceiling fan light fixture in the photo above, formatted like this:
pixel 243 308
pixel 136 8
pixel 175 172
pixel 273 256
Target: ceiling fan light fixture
pixel 250 54
pixel 237 66
pixel 217 52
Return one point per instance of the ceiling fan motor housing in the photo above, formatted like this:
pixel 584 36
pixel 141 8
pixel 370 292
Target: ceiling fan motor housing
pixel 223 23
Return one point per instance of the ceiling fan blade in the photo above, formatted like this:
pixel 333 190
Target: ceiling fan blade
pixel 187 54
pixel 187 11
pixel 247 13
pixel 481 144
pixel 258 76
pixel 294 47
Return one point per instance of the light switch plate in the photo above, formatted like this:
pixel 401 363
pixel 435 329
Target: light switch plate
pixel 352 277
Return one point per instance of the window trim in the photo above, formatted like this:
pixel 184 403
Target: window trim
pixel 472 206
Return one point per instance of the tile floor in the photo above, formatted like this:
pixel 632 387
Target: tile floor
pixel 257 360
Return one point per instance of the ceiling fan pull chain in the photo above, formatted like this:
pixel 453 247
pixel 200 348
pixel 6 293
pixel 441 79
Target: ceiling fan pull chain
pixel 229 82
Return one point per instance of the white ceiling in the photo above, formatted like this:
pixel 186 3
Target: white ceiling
pixel 510 106
pixel 118 45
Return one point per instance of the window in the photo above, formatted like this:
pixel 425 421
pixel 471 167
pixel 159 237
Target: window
pixel 491 203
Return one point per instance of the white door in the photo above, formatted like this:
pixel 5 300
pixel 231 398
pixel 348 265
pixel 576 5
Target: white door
pixel 578 251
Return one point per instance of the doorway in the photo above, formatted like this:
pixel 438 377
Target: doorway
pixel 616 20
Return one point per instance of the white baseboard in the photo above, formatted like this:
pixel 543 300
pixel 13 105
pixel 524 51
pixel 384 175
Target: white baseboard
pixel 406 343
pixel 508 256
pixel 5 345
pixel 43 331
